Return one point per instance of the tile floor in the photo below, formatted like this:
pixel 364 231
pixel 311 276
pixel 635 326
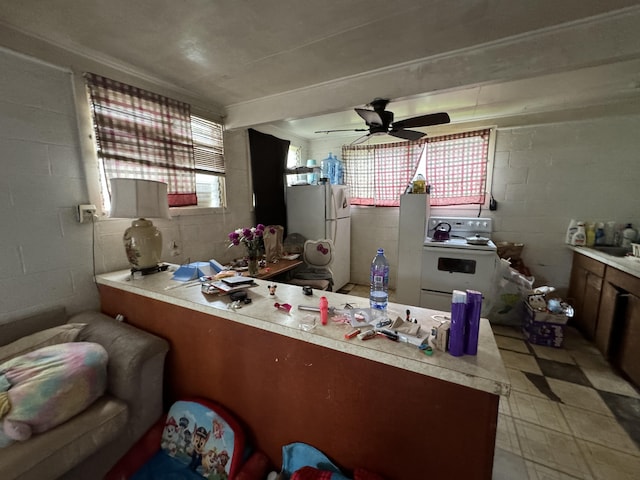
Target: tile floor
pixel 570 415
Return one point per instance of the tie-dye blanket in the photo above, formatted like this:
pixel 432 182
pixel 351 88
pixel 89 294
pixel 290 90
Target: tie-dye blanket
pixel 46 387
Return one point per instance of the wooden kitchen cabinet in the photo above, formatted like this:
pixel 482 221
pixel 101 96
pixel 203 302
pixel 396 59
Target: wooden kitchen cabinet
pixel 618 332
pixel 584 293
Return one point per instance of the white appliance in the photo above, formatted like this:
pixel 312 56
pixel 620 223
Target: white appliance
pixel 414 211
pixel 323 211
pixel 455 264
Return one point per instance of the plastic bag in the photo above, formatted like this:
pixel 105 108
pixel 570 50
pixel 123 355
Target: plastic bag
pixel 511 292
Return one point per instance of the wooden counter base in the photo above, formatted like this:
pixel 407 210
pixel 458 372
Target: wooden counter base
pixel 399 424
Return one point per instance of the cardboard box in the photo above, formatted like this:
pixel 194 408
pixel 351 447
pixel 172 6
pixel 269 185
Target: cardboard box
pixel 546 317
pixel 544 328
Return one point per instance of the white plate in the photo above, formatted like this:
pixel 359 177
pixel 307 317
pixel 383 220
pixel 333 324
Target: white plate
pixel 291 257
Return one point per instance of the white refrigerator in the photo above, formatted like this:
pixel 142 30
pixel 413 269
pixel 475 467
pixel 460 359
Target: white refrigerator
pixel 323 211
pixel 414 211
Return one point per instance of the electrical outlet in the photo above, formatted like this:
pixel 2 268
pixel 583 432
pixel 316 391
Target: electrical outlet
pixel 85 211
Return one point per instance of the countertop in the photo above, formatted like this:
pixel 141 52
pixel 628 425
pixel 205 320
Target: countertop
pixel 628 264
pixel 484 371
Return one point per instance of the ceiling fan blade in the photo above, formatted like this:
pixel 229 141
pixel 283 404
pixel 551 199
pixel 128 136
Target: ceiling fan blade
pixel 407 134
pixel 360 140
pixel 346 130
pixel 423 121
pixel 369 116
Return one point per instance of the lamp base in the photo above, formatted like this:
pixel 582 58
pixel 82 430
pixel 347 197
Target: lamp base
pixel 143 244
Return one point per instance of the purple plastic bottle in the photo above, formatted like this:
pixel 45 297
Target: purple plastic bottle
pixel 458 315
pixel 474 306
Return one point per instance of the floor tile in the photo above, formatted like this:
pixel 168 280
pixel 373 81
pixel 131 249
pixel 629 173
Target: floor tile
pixel 573 340
pixel 596 428
pixel 590 360
pixel 520 361
pixel 508 466
pixel 541 383
pixel 536 471
pixel 627 413
pixel 579 396
pixel 606 379
pixel 563 371
pixel 507 331
pixel 609 464
pixel 555 450
pixel 509 343
pixel 503 406
pixel 520 382
pixel 551 353
pixel 506 437
pixel 539 411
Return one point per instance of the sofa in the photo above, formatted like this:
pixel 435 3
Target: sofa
pixel 91 442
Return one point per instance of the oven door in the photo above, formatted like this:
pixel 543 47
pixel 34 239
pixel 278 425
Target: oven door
pixel 447 269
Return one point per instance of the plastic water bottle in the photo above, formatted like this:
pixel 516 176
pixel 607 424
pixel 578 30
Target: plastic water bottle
pixel 325 167
pixel 379 278
pixel 338 172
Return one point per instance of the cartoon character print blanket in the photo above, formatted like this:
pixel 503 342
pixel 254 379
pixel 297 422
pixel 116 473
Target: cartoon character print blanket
pixel 44 388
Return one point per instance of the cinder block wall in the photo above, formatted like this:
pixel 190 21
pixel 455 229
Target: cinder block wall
pixel 543 176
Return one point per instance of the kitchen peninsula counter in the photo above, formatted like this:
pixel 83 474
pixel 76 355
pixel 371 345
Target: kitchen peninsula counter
pixel 377 404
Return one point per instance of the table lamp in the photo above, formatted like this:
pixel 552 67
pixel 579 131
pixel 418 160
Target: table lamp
pixel 141 199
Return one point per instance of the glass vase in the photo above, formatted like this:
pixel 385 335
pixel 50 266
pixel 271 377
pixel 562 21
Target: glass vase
pixel 253 264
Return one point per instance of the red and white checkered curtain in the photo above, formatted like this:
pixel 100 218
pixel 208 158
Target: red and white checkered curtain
pixel 378 174
pixel 457 168
pixel 143 135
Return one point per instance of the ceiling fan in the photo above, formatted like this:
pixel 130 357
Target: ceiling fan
pixel 380 122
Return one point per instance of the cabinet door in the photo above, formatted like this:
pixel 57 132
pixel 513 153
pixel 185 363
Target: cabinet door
pixel 590 304
pixel 629 354
pixel 606 317
pixel 584 293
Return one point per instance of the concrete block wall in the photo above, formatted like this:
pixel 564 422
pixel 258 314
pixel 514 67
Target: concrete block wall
pixel 46 256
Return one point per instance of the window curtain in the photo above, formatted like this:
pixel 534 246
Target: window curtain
pixel 456 167
pixel 268 162
pixel 141 134
pixel 378 174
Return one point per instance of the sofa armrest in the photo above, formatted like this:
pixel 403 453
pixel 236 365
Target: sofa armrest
pixel 135 369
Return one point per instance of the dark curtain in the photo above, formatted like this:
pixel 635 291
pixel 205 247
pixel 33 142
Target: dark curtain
pixel 268 162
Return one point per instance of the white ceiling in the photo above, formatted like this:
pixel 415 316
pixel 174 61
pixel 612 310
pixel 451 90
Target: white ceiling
pixel 302 66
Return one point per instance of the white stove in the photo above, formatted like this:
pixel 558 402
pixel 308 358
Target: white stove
pixel 456 264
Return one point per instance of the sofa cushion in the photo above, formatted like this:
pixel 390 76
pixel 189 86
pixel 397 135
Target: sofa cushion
pixel 51 336
pixel 50 454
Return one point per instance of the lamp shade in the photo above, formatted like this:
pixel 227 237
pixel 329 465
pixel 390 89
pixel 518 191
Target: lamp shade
pixel 140 199
pixel 133 198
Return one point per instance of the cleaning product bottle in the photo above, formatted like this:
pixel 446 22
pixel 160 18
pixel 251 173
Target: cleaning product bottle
pixel 600 237
pixel 573 227
pixel 591 234
pixel 580 237
pixel 629 236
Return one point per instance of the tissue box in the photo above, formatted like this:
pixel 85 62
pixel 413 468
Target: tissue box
pixel 544 328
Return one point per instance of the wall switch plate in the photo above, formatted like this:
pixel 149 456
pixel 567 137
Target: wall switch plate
pixel 85 211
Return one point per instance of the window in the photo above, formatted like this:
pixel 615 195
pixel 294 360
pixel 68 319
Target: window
pixel 140 134
pixel 454 165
